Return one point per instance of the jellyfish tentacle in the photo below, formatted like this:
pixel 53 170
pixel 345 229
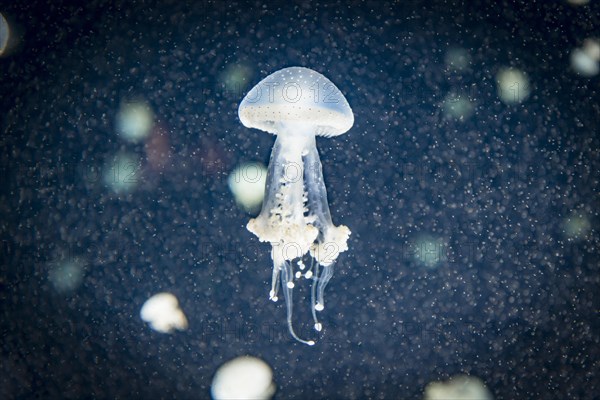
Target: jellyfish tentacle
pixel 313 296
pixel 287 286
pixel 324 278
pixel 332 240
pixel 275 283
pixel 316 191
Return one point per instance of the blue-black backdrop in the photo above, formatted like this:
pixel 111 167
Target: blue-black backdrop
pixel 508 293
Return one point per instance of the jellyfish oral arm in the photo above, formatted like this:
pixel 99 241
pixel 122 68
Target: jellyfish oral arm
pixel 332 240
pixel 295 218
pixel 282 220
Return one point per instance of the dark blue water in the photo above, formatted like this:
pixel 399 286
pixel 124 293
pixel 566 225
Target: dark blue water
pixel 509 296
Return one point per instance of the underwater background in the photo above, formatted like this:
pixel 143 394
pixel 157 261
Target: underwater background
pixel 474 213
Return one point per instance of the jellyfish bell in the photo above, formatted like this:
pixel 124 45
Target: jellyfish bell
pixel 297 104
pixel 296 99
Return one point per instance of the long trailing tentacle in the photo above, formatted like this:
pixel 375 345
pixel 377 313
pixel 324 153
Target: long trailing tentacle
pixel 323 280
pixel 313 294
pixel 287 286
pixel 275 282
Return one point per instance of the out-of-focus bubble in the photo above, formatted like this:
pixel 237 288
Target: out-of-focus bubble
pixel 584 64
pixel 247 183
pixel 122 173
pixel 461 387
pixel 235 79
pixel 4 34
pixel 163 314
pixel 430 251
pixel 243 378
pixel 586 60
pixel 591 47
pixel 576 226
pixel 457 59
pixel 513 85
pixel 134 121
pixel 458 106
pixel 66 275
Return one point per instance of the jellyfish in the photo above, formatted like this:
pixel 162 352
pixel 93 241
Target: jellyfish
pixel 163 313
pixel 243 378
pixel 298 104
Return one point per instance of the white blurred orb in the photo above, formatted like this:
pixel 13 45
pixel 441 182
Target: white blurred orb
pixel 4 34
pixel 586 60
pixel 461 387
pixel 458 107
pixel 134 121
pixel 457 59
pixel 163 314
pixel 235 78
pixel 122 173
pixel 66 275
pixel 243 378
pixel 247 183
pixel 591 47
pixel 583 64
pixel 430 251
pixel 576 226
pixel 513 85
